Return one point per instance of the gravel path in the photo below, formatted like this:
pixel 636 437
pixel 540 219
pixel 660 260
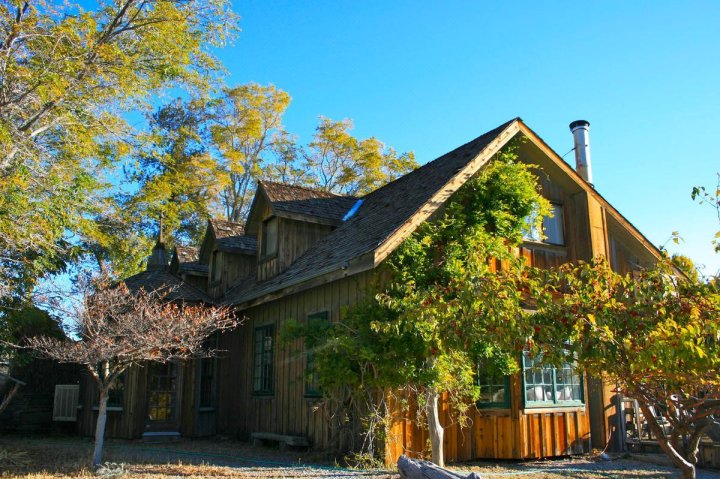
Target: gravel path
pixel 67 457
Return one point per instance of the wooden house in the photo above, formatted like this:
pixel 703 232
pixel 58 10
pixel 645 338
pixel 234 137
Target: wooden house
pixel 306 254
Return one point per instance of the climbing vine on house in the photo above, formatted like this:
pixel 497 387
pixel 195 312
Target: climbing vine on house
pixel 447 299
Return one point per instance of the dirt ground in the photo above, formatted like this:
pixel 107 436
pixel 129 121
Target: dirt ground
pixel 61 457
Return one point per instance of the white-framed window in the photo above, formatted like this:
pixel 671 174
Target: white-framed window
pixel 545 385
pixel 553 227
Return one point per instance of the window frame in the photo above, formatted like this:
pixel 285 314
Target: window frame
pixel 531 233
pixel 506 404
pixel 265 255
pixel 312 390
pixel 207 393
pixel 555 402
pixel 216 273
pixel 560 218
pixel 264 370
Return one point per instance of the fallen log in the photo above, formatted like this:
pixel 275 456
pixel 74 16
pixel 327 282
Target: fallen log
pixel 418 469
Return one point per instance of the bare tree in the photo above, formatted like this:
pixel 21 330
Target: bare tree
pixel 119 328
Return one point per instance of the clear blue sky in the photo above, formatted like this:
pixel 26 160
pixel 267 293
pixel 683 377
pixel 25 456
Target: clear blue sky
pixel 429 76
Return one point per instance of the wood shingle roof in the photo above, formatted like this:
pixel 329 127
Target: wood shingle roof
pixel 381 213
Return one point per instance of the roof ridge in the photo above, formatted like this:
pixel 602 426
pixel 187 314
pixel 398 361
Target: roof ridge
pixel 494 131
pixel 306 188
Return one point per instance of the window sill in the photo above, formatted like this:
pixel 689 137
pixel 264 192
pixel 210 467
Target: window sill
pixel 542 245
pixel 206 409
pixel 551 409
pixel 261 395
pixel 109 408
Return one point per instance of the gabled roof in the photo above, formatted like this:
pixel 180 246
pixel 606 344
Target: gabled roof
pixel 301 203
pixel 238 244
pixel 381 214
pixel 224 234
pixel 388 215
pixel 224 229
pixel 164 282
pixel 187 259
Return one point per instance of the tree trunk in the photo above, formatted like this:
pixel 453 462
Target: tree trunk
pixel 687 468
pixel 435 428
pixel 100 427
pixel 9 396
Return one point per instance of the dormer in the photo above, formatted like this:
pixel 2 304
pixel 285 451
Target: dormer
pixel 185 264
pixel 288 219
pixel 229 254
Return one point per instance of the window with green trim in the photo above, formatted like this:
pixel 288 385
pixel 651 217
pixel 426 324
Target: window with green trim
pixel 263 364
pixel 545 385
pixel 316 324
pixel 494 388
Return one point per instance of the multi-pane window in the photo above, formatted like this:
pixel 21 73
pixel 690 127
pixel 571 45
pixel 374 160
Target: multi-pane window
pixel 208 367
pixel 263 365
pixel 216 266
pixel 494 388
pixel 270 238
pixel 316 324
pixel 545 385
pixel 116 393
pixel 553 230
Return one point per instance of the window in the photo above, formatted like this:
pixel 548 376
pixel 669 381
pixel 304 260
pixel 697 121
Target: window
pixel 270 238
pixel 552 227
pixel 317 323
pixel 263 367
pixel 116 393
pixel 207 367
pixel 549 386
pixel 494 388
pixel 216 266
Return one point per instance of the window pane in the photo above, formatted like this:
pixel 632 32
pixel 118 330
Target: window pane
pixel 553 227
pixel 263 367
pixel 270 237
pixel 493 388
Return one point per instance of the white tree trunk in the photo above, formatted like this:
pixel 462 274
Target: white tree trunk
pixel 435 428
pixel 100 427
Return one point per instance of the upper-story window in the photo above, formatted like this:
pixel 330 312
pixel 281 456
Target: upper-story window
pixel 216 266
pixel 270 238
pixel 553 230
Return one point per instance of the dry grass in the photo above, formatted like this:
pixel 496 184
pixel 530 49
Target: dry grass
pixel 35 458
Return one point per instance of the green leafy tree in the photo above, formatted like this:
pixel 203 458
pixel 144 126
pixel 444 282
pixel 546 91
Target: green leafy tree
pixel 246 124
pixel 703 196
pixel 442 305
pixel 653 332
pixel 340 163
pixel 66 76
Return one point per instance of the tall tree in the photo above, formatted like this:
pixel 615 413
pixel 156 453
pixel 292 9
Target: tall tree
pixel 246 124
pixel 66 76
pixel 118 329
pixel 340 163
pixel 655 333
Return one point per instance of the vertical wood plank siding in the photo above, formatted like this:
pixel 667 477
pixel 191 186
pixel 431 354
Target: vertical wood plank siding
pixel 286 410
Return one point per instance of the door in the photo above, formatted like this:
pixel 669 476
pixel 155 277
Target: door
pixel 162 397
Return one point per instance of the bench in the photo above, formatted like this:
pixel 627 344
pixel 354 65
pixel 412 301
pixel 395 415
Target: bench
pixel 284 441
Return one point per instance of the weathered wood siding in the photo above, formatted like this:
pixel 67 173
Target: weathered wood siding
pixel 294 238
pixel 512 433
pixel 287 410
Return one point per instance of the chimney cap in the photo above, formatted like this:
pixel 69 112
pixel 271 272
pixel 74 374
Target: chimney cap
pixel 579 123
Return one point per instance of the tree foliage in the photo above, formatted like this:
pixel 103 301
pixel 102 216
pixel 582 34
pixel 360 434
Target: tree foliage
pixel 653 332
pixel 66 75
pixel 119 328
pixel 711 198
pixel 450 298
